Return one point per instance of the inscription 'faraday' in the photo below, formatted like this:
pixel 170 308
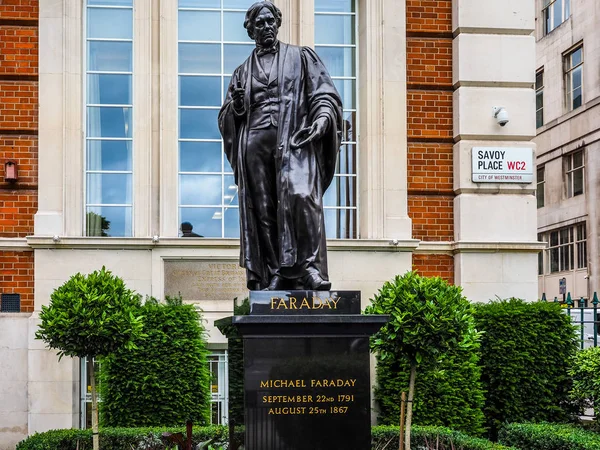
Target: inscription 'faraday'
pixel 338 382
pixel 304 303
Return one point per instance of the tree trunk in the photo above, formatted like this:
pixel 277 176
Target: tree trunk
pixel 409 406
pixel 92 373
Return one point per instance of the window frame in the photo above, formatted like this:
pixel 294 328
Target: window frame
pixel 570 173
pixel 569 72
pixel 567 246
pixel 548 14
pixel 539 93
pixel 540 186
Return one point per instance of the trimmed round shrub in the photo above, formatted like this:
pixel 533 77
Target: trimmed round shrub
pixel 526 352
pixel 165 380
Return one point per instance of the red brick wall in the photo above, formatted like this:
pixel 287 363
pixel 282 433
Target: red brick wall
pixel 429 109
pixel 16 276
pixel 18 140
pixel 435 266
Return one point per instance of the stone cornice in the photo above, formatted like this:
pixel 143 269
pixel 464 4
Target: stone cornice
pixel 13 244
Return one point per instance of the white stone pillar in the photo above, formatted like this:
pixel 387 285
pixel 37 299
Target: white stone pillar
pixel 495 224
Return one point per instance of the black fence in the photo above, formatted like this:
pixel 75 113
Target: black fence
pixel 584 315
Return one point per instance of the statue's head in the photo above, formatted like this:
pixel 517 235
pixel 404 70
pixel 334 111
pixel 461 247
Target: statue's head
pixel 262 22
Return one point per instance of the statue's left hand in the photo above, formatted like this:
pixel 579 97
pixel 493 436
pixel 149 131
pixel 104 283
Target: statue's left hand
pixel 315 132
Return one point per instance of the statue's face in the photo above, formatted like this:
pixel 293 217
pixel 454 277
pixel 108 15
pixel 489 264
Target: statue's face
pixel 265 28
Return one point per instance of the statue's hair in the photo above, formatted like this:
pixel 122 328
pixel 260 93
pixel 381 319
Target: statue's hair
pixel 253 12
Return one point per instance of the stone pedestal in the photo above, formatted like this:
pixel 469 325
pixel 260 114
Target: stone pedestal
pixel 306 370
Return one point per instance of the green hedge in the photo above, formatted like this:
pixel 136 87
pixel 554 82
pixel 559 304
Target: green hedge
pixel 546 436
pixel 117 438
pixel 165 380
pixel 448 394
pixel 384 438
pixel 526 352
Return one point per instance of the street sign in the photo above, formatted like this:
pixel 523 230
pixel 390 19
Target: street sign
pixel 562 286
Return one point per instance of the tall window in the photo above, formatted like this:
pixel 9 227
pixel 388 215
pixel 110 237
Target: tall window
pixel 574 79
pixel 541 183
pixel 539 98
pixel 555 12
pixel 567 248
pixel 335 43
pixel 219 388
pixel 108 131
pixel 540 238
pixel 212 43
pixel 575 179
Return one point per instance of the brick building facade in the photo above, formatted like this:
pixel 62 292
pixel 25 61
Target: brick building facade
pixel 415 106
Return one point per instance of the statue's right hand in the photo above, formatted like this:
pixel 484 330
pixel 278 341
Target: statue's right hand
pixel 237 93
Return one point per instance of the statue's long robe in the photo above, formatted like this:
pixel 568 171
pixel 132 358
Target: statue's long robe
pixel 306 92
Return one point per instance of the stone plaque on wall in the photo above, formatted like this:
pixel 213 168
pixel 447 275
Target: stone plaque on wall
pixel 205 279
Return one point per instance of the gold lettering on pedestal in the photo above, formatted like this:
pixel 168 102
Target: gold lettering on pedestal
pixel 305 303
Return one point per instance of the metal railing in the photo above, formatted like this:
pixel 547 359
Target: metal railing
pixel 583 316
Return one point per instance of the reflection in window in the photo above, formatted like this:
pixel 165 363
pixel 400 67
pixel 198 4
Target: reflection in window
pixel 574 79
pixel 212 42
pixel 575 180
pixel 555 12
pixel 109 124
pixel 335 43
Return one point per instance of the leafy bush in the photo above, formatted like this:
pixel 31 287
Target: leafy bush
pixel 546 436
pixel 449 392
pixel 586 378
pixel 383 438
pixel 117 438
pixel 386 438
pixel 428 318
pixel 166 379
pixel 526 352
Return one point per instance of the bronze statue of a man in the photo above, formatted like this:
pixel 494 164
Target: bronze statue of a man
pixel 281 126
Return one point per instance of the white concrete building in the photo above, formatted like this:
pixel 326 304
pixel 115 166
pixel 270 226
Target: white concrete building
pixel 568 145
pixel 129 153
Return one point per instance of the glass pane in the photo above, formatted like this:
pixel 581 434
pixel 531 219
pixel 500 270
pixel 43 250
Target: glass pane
pixel 539 80
pixel 109 89
pixel 539 100
pixel 199 26
pixel 576 57
pixel 577 98
pixel 110 23
pixel 110 2
pixel 341 192
pixel 564 236
pixel 233 27
pixel 331 29
pixel 578 159
pixel 108 122
pixel 554 239
pixel 348 125
pixel 581 232
pixel 200 189
pixel 108 188
pixel 340 223
pixel 578 182
pixel 199 91
pixel 226 81
pixel 539 194
pixel 206 222
pixel 347 90
pixel 540 174
pixel 232 222
pixel 108 155
pixel 557 11
pixel 198 124
pixel 547 21
pixel 234 55
pixel 230 191
pixel 109 56
pixel 237 4
pixel 334 5
pixel 347 159
pixel 199 58
pixel 200 156
pixel 539 118
pixel 567 9
pixel 576 78
pixel 339 61
pixel 112 221
pixel 554 260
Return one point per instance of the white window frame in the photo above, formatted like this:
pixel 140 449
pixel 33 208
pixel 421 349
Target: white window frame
pixel 219 396
pixel 569 70
pixel 548 14
pixel 570 172
pixel 581 245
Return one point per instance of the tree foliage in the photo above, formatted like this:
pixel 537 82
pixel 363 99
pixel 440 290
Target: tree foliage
pixel 91 315
pixel 526 352
pixel 165 379
pixel 585 372
pixel 428 317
